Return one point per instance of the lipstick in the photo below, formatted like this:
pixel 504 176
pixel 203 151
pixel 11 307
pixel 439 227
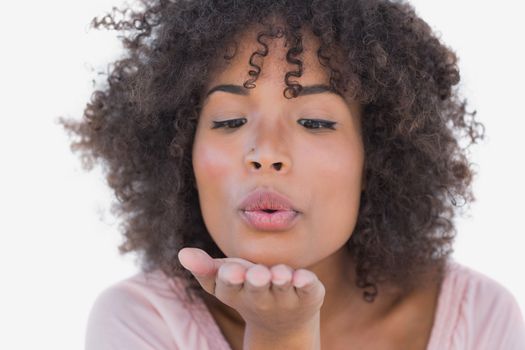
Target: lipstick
pixel 266 210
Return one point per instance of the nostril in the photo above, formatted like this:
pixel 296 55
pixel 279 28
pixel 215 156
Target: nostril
pixel 276 166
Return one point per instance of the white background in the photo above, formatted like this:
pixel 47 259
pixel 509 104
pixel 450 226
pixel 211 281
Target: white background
pixel 58 240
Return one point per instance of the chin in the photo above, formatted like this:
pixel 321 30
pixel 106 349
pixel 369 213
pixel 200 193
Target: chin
pixel 271 257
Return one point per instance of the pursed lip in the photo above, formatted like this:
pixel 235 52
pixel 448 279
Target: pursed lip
pixel 264 199
pixel 280 220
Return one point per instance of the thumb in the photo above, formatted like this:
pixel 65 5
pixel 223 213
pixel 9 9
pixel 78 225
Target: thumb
pixel 201 265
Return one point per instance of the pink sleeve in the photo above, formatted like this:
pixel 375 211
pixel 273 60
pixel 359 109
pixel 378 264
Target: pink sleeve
pixel 121 319
pixel 514 335
pixel 490 317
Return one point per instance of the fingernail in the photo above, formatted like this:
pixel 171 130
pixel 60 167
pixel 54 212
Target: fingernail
pixel 279 282
pixel 300 284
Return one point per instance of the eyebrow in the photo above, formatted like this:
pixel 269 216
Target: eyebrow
pixel 241 90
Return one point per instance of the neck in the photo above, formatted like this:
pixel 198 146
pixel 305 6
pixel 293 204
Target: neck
pixel 343 299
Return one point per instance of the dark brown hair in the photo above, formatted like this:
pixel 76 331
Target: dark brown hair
pixel 141 126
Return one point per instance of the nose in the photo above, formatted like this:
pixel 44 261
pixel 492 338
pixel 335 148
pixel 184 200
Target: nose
pixel 270 153
pixel 267 160
pixel 262 164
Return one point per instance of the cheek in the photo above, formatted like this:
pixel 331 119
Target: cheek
pixel 340 187
pixel 210 162
pixel 337 177
pixel 346 178
pixel 343 174
pixel 335 168
pixel 213 169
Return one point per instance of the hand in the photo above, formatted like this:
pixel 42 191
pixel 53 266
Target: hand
pixel 276 300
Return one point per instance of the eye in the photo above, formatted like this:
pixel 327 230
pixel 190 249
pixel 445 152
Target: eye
pixel 317 124
pixel 229 124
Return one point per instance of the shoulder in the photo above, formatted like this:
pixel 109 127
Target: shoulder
pixel 478 311
pixel 144 311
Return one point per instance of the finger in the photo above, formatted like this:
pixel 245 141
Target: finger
pixel 257 280
pixel 281 288
pixel 281 278
pixel 245 263
pixel 201 265
pixel 307 284
pixel 204 267
pixel 230 280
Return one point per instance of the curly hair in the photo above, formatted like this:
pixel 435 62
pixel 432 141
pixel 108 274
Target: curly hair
pixel 140 127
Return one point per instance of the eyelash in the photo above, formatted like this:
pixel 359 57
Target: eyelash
pixel 234 123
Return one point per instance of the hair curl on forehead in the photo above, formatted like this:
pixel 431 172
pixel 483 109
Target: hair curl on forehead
pixel 140 126
pixel 274 28
pixel 294 41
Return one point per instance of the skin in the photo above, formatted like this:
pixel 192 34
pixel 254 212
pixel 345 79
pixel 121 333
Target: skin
pixel 299 281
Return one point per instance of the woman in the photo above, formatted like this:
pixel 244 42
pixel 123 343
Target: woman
pixel 305 154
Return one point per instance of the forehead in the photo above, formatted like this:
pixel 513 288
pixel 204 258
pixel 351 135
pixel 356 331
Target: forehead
pixel 274 65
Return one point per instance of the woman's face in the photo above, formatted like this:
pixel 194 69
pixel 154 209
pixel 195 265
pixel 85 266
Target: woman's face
pixel 321 170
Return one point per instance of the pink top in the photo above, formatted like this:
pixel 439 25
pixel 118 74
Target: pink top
pixel 148 311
